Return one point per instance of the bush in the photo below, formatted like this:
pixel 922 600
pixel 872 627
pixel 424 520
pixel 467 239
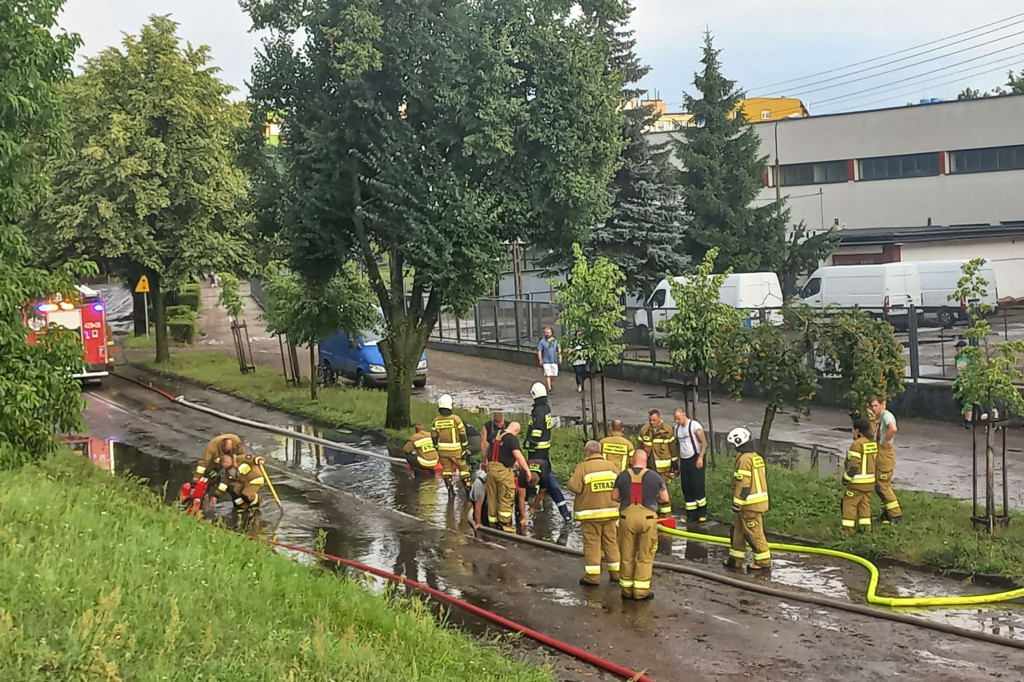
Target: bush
pixel 182 329
pixel 190 288
pixel 180 311
pixel 189 299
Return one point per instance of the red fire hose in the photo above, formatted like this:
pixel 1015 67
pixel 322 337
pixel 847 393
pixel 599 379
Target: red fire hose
pixel 575 652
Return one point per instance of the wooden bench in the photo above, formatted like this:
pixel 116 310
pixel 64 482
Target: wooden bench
pixel 681 385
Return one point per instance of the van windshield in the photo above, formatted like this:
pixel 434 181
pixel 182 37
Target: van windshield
pixel 370 337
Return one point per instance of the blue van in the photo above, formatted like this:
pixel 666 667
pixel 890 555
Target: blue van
pixel 358 358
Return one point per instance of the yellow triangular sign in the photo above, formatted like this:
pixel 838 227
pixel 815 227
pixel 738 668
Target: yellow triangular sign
pixel 143 286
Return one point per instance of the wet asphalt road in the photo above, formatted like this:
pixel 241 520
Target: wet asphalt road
pixel 693 630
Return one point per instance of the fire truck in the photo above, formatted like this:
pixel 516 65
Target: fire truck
pixel 87 315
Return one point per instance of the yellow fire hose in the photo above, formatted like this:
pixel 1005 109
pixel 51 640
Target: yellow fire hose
pixel 270 484
pixel 872 596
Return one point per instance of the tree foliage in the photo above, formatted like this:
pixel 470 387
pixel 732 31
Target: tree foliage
pixel 722 176
pixel 153 186
pixel 863 353
pixel 692 333
pixel 774 359
pixel 804 251
pixel 230 298
pixel 38 396
pixel 644 235
pixel 993 372
pixel 1014 86
pixel 590 306
pixel 431 134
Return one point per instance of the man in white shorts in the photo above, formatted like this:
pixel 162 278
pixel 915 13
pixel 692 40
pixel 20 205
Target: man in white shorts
pixel 549 356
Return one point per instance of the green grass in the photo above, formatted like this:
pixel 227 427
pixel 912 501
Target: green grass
pixel 936 531
pixel 100 581
pixel 133 342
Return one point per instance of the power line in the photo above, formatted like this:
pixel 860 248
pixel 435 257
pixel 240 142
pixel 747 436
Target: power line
pixel 891 54
pixel 923 61
pixel 1012 59
pixel 937 85
pixel 915 77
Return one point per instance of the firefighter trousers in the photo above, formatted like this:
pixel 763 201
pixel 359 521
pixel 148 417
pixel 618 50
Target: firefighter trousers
pixel 638 541
pixel 748 528
pixel 883 486
pixel 452 461
pixel 856 509
pixel 501 496
pixel 665 508
pixel 691 479
pixel 600 537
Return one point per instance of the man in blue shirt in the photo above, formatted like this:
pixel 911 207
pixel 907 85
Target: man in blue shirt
pixel 549 356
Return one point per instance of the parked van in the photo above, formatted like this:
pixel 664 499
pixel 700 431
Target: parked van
pixel 749 291
pixel 358 358
pixel 887 290
pixel 939 279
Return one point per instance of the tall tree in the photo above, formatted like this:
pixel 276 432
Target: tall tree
pixel 153 187
pixel 38 396
pixel 723 174
pixel 1014 86
pixel 433 133
pixel 645 233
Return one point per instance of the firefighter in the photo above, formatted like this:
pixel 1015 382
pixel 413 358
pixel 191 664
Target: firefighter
pixel 224 444
pixel 421 450
pixel 616 448
pixel 593 482
pixel 639 492
pixel 538 444
pixel 749 502
pixel 506 454
pixel 242 478
pixel 658 439
pixel 449 434
pixel 885 463
pixel 859 476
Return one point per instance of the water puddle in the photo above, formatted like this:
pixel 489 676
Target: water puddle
pixel 435 553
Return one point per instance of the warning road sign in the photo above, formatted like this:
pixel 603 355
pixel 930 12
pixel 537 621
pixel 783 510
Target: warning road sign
pixel 143 286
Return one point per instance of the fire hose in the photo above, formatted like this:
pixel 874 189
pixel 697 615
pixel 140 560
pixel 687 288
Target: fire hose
pixel 806 597
pixel 541 638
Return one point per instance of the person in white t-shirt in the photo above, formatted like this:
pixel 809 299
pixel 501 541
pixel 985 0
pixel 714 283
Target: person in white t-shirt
pixel 692 445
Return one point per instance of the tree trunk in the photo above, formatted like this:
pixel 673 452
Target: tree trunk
pixel 766 429
pixel 401 350
pixel 593 407
pixel 163 351
pixel 990 472
pixel 312 372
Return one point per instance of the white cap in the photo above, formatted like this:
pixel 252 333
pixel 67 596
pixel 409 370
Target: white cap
pixel 538 391
pixel 444 402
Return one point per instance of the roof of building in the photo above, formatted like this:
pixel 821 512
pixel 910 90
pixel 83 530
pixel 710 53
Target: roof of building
pixel 928 233
pixel 907 107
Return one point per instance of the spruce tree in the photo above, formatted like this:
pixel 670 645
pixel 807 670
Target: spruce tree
pixel 723 174
pixel 644 235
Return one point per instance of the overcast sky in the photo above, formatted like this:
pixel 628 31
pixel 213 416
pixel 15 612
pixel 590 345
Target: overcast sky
pixel 763 43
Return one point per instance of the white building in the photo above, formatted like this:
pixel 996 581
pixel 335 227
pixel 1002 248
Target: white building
pixel 936 181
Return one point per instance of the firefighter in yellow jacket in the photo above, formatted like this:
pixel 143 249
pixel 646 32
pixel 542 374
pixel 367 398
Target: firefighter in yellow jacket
pixel 224 444
pixel 593 482
pixel 616 448
pixel 241 478
pixel 859 476
pixel 638 491
pixel 421 449
pixel 449 434
pixel 658 439
pixel 749 502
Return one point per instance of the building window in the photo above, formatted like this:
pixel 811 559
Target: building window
pixel 814 173
pixel 766 114
pixel 985 160
pixel 895 167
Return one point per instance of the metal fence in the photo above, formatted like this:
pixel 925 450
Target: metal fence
pixel 928 334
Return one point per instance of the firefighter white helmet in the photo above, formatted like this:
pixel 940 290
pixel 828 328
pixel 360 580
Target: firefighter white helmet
pixel 444 402
pixel 538 391
pixel 738 436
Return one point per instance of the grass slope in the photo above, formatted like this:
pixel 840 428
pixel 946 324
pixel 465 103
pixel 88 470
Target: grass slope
pixel 936 531
pixel 99 581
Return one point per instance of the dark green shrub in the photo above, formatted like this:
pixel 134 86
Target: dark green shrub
pixel 182 329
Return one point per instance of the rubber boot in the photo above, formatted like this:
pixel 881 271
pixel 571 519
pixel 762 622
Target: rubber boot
pixel 731 562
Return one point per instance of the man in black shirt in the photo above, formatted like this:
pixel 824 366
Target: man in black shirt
pixel 506 454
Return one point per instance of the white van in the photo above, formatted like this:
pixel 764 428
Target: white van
pixel 750 291
pixel 939 279
pixel 885 290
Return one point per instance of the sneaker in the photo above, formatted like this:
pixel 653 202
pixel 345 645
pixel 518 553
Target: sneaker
pixel 579 389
